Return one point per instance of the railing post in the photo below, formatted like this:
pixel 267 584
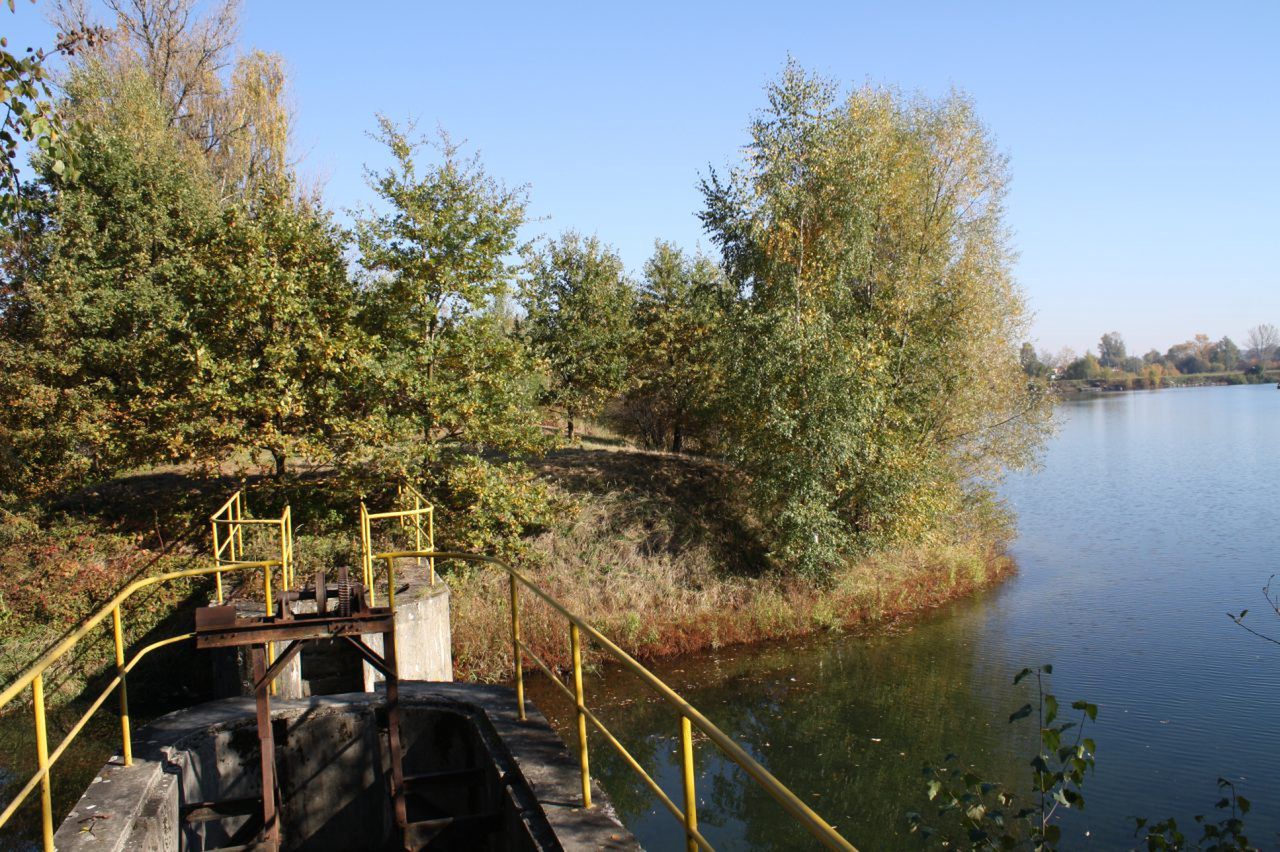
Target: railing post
pixel 517 659
pixel 217 559
pixel 42 758
pixel 417 525
pixel 431 545
pixel 126 739
pixel 239 531
pixel 391 583
pixel 690 792
pixel 575 644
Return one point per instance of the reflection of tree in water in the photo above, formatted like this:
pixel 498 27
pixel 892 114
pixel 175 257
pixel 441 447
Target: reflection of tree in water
pixel 846 723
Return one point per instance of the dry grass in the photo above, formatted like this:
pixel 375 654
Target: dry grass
pixel 657 557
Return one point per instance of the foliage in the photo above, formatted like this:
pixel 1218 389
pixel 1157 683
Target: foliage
pixel 872 374
pixel 991 815
pixel 284 365
pixel 1227 833
pixel 455 385
pixel 235 112
pixel 676 367
pixel 30 114
pixel 1111 350
pixel 579 308
pixel 97 348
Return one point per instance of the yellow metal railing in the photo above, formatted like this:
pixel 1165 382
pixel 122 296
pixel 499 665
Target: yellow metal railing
pixel 33 677
pixel 228 525
pixel 417 514
pixel 690 717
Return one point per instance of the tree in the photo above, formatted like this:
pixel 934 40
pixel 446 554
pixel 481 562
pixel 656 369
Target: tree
pixel 1264 339
pixel 99 351
pixel 286 368
pixel 1111 350
pixel 455 390
pixel 579 307
pixel 235 111
pixel 1031 363
pixel 30 115
pixel 1225 355
pixel 1087 368
pixel 875 389
pixel 675 365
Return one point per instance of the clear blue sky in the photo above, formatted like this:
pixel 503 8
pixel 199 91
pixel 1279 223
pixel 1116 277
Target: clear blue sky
pixel 1142 136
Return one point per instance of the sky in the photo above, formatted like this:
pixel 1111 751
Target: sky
pixel 1141 136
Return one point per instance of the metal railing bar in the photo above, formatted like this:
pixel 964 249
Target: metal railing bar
pixel 789 801
pixel 75 729
pixel 53 654
pixel 547 671
pixel 635 766
pixel 246 521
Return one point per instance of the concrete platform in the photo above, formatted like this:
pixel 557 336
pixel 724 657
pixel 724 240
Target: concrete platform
pixel 488 779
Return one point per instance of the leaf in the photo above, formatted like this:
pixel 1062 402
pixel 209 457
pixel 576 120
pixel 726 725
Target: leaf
pixel 1050 709
pixel 1020 675
pixel 935 787
pixel 1090 710
pixel 1021 713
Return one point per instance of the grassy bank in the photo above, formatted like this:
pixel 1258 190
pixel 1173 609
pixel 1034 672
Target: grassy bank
pixel 656 555
pixel 1070 387
pixel 654 548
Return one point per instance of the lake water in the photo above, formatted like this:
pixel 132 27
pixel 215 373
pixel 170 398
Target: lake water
pixel 1154 515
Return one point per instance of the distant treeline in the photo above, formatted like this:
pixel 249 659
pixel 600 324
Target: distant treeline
pixel 186 299
pixel 1200 356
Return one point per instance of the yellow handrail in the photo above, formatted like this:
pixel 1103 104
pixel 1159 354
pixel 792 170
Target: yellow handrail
pixel 689 715
pixel 34 677
pixel 424 539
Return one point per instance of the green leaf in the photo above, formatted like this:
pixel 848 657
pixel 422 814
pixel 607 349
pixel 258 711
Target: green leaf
pixel 1021 713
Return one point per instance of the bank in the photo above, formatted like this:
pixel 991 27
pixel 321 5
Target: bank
pixel 658 552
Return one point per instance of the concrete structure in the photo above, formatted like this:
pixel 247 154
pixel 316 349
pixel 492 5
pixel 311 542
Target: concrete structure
pixel 423 649
pixel 485 778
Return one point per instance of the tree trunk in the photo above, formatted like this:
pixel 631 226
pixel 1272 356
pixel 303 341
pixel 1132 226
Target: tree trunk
pixel 278 455
pixel 677 438
pixel 568 425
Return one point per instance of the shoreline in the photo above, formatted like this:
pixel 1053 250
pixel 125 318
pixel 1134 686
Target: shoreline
pixel 866 598
pixel 1081 387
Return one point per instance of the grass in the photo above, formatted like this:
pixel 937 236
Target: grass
pixel 655 549
pixel 657 556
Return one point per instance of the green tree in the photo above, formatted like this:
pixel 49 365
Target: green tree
pixel 579 308
pixel 873 376
pixel 455 385
pixel 284 366
pixel 1087 367
pixel 1031 363
pixel 676 366
pixel 99 350
pixel 1225 355
pixel 1111 350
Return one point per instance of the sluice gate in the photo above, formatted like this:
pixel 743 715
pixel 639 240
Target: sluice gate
pixel 407 764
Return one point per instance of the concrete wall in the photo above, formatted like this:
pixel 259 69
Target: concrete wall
pixel 424 651
pixel 424 640
pixel 332 764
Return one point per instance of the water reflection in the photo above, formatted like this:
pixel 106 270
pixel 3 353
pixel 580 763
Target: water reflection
pixel 1155 514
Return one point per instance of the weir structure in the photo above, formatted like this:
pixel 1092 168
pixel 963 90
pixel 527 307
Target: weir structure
pixel 513 783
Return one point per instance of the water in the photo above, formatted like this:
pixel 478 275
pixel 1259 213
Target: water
pixel 1154 515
